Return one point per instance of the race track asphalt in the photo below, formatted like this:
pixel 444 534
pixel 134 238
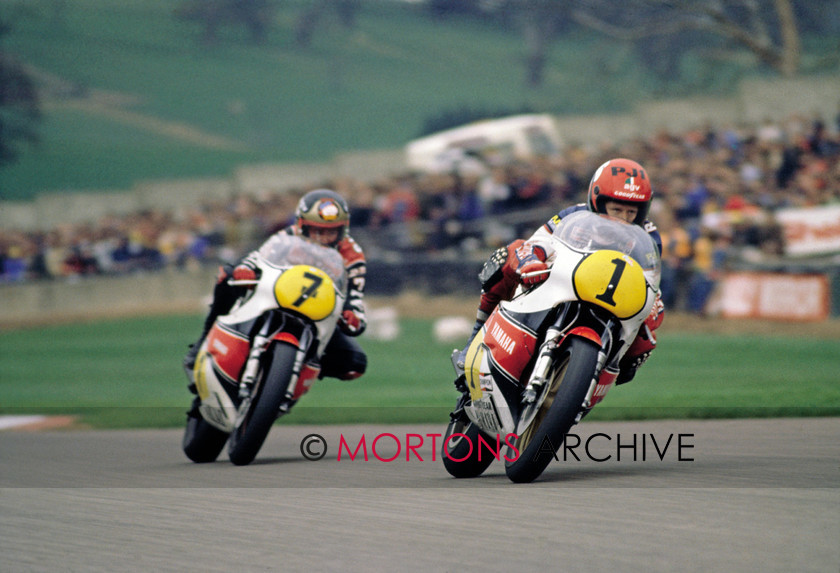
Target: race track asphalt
pixel 682 495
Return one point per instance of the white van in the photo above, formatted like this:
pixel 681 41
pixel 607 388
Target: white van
pixel 494 140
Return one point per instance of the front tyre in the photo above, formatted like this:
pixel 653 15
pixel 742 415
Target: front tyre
pixel 461 454
pixel 569 380
pixel 266 397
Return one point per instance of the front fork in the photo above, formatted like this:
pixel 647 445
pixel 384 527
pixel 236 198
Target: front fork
pixel 253 363
pixel 539 376
pixel 603 376
pixel 555 335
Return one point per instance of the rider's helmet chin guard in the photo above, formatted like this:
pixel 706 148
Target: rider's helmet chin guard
pixel 624 181
pixel 323 209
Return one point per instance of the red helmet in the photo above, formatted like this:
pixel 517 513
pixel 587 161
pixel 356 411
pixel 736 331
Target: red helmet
pixel 624 181
pixel 324 209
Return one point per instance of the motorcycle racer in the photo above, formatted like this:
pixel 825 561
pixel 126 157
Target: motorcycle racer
pixel 619 188
pixel 322 216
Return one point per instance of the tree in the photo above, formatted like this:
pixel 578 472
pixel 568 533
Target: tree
pixel 255 15
pixel 317 11
pixel 19 106
pixel 768 29
pixel 538 20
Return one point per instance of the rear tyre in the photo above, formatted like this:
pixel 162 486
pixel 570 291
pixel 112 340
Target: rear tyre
pixel 202 443
pixel 461 455
pixel 266 397
pixel 537 445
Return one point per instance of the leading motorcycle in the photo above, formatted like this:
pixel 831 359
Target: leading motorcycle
pixel 545 358
pixel 260 358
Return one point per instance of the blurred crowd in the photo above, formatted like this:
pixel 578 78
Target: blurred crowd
pixel 716 190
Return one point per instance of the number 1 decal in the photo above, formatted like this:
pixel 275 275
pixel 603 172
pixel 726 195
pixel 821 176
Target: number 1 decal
pixel 310 290
pixel 607 295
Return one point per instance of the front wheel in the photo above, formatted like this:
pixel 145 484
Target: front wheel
pixel 462 457
pixel 569 379
pixel 267 395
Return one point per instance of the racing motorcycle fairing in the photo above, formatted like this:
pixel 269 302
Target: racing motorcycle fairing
pixel 297 301
pixel 228 349
pixel 585 332
pixel 490 392
pixel 510 343
pixel 602 282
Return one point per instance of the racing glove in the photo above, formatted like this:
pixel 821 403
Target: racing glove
pixel 350 323
pixel 533 267
pixel 244 273
pixel 529 258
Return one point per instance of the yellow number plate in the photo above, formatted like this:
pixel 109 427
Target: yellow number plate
pixel 613 281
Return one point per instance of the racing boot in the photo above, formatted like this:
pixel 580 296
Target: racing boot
pixel 629 366
pixel 636 355
pixel 189 364
pixel 460 385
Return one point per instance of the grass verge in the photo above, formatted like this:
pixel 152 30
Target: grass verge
pixel 126 374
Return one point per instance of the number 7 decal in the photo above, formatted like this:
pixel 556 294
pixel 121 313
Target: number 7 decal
pixel 310 290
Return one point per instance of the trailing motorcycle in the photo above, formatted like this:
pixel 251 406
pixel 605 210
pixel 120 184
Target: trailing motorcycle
pixel 545 358
pixel 260 358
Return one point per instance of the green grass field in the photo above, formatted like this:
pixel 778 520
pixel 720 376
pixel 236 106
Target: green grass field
pixel 370 87
pixel 127 374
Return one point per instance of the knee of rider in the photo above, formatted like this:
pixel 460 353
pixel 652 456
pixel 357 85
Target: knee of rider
pixel 350 375
pixel 359 362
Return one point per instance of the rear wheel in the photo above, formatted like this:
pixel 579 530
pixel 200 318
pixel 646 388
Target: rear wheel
pixel 202 443
pixel 462 457
pixel 569 381
pixel 266 397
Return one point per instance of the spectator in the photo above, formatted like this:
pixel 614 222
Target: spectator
pixel 710 255
pixel 730 179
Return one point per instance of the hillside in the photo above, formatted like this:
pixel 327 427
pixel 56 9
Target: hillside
pixel 130 92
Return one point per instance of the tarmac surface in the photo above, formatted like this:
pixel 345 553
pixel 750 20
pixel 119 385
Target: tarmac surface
pixel 686 495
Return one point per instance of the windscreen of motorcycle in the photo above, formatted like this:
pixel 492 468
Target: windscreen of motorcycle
pixel 312 274
pixel 587 232
pixel 288 250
